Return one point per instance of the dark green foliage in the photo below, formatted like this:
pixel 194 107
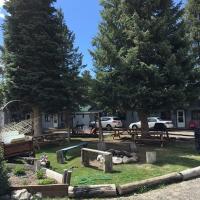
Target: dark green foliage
pixel 88 88
pixel 193 19
pixel 19 171
pixel 42 64
pixel 4 185
pixel 40 174
pixel 141 55
pixel 71 64
pixel 46 181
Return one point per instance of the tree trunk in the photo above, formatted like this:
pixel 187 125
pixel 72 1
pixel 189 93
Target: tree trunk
pixel 144 123
pixel 37 121
pixel 101 138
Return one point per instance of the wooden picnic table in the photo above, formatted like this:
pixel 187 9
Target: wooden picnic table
pixel 136 135
pixel 154 136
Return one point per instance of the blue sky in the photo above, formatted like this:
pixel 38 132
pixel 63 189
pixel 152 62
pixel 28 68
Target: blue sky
pixel 82 17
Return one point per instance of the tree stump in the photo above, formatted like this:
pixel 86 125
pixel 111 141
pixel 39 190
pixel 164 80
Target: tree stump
pixel 151 157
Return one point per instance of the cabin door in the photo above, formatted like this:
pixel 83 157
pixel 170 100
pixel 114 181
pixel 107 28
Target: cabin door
pixel 55 120
pixel 180 119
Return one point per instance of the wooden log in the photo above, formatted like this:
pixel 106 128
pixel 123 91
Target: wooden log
pixel 108 165
pixel 132 187
pixel 60 157
pixel 84 158
pixel 151 157
pixel 67 177
pixel 92 191
pixel 190 173
pixel 54 175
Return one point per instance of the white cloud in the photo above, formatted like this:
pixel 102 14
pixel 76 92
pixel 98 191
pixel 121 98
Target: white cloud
pixel 1 3
pixel 2 16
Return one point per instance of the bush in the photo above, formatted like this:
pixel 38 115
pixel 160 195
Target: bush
pixel 4 184
pixel 19 171
pixel 40 174
pixel 46 181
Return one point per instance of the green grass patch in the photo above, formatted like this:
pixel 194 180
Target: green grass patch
pixel 174 157
pixel 19 171
pixel 46 181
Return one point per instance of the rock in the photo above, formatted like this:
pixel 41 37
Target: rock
pixel 20 195
pixel 117 160
pixel 100 158
pixel 37 196
pixel 5 197
pixel 151 157
pixel 133 159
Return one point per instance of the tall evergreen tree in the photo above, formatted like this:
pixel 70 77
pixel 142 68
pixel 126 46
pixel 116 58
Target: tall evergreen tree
pixel 71 64
pixel 141 56
pixel 4 184
pixel 39 57
pixel 193 19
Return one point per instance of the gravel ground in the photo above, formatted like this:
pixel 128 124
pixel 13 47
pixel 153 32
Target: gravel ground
pixel 188 190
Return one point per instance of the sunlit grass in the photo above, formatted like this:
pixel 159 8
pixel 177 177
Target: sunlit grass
pixel 174 157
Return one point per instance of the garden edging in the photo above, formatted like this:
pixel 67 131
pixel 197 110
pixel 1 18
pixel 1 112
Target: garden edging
pixel 95 190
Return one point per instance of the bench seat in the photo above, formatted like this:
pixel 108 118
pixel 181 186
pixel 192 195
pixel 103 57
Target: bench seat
pixel 60 153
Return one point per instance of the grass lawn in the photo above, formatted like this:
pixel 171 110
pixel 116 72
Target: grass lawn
pixel 174 157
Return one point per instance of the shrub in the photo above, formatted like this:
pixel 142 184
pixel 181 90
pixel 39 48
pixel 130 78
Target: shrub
pixel 46 181
pixel 40 174
pixel 4 184
pixel 19 171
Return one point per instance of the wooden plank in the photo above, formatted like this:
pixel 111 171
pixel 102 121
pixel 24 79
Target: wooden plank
pixel 96 151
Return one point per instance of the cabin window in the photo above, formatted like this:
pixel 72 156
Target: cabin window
pixel 47 118
pixel 195 115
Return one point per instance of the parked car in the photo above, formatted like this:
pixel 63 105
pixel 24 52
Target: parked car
pixel 151 122
pixel 108 123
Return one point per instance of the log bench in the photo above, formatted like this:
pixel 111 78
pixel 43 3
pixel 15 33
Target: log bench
pixel 60 153
pixel 106 164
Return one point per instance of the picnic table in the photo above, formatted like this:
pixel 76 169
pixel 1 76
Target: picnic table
pixel 154 136
pixel 158 134
pixel 60 153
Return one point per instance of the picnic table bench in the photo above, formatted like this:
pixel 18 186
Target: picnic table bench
pixel 60 153
pixel 154 136
pixel 118 132
pixel 158 134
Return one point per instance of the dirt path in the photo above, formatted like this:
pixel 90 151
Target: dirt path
pixel 189 190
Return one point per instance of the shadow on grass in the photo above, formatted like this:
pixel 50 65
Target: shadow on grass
pixel 178 159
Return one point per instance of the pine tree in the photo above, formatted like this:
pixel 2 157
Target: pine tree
pixel 4 184
pixel 40 58
pixel 193 19
pixel 141 55
pixel 71 64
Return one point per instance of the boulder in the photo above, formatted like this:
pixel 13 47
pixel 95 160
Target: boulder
pixel 117 160
pixel 20 195
pixel 127 160
pixel 37 196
